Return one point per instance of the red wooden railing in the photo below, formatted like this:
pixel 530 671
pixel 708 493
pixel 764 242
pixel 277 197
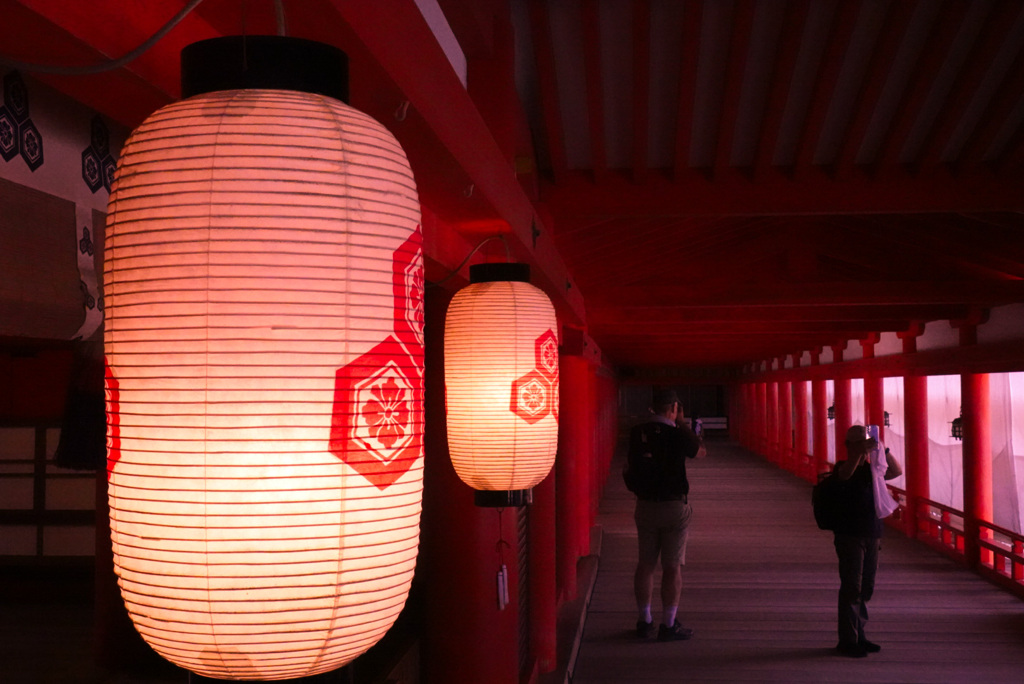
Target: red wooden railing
pixel 942 527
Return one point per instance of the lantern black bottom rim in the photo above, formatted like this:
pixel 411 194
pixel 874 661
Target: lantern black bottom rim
pixel 512 498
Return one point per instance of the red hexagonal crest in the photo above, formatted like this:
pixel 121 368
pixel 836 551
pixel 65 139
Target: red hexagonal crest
pixel 377 418
pixel 113 417
pixel 547 354
pixel 531 397
pixel 407 281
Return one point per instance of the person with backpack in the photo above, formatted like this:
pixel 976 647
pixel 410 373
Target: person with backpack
pixel 858 533
pixel 656 473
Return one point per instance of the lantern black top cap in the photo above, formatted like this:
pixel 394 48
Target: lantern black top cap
pixel 490 273
pixel 264 62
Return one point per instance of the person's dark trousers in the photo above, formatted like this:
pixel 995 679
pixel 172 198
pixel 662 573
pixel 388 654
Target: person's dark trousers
pixel 858 564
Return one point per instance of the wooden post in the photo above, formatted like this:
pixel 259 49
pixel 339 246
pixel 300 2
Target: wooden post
pixel 784 434
pixel 801 431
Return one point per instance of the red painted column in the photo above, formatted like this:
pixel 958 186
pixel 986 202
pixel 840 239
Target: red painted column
pixel 801 431
pixel 585 440
pixel 772 422
pixel 819 418
pixel 915 441
pixel 543 583
pixel 785 426
pixel 915 444
pixel 466 637
pixel 874 389
pixel 843 398
pixel 977 455
pixel 761 444
pixel 570 469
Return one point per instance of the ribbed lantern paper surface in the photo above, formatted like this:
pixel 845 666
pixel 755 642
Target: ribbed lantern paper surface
pixel 501 384
pixel 264 342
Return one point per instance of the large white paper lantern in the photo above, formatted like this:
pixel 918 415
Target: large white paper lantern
pixel 263 283
pixel 501 383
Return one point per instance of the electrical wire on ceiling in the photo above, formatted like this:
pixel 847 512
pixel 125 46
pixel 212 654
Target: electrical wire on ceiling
pixel 131 56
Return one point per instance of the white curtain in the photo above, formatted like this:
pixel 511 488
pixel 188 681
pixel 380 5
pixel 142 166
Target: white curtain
pixel 857 411
pixel 894 435
pixel 1006 393
pixel 830 398
pixel 945 454
pixel 810 408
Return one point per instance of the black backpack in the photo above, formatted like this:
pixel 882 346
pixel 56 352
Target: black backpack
pixel 828 499
pixel 647 460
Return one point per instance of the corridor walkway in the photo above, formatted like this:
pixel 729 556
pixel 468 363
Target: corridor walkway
pixel 759 589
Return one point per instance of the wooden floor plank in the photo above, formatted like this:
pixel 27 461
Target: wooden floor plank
pixel 759 589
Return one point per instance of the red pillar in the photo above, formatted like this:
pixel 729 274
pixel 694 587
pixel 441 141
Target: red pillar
pixel 466 637
pixel 772 422
pixel 570 470
pixel 785 426
pixel 543 584
pixel 977 455
pixel 761 441
pixel 843 399
pixel 801 431
pixel 915 423
pixel 874 390
pixel 819 418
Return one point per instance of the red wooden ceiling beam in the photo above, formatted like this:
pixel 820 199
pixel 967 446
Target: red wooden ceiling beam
pixel 399 40
pixel 781 85
pixel 601 316
pixel 691 31
pixel 595 92
pixel 739 53
pixel 825 84
pixel 641 86
pixel 544 56
pixel 896 21
pixel 733 194
pixel 822 294
pixel 977 66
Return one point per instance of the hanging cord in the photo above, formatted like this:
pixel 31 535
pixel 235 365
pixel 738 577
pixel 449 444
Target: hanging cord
pixel 508 257
pixel 502 576
pixel 104 66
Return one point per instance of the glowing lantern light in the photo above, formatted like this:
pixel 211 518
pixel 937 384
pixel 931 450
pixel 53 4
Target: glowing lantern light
pixel 263 285
pixel 501 383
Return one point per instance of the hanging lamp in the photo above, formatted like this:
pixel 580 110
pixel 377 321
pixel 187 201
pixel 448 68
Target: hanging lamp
pixel 264 344
pixel 501 383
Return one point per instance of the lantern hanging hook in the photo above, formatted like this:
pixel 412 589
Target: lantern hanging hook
pixel 508 257
pixel 403 111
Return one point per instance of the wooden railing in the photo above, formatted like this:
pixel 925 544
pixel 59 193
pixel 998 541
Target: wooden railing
pixel 944 528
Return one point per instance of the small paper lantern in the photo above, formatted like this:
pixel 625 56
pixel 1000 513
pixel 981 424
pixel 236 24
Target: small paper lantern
pixel 263 284
pixel 501 383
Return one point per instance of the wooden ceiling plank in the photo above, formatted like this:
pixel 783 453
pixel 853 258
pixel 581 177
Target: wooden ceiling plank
pixel 826 84
pixel 544 55
pixel 641 87
pixel 815 192
pixel 991 40
pixel 781 84
pixel 941 36
pixel 979 143
pixel 590 16
pixel 691 30
pixel 739 53
pixel 897 21
pixel 681 312
pixel 916 292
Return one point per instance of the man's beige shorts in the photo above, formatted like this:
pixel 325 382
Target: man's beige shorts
pixel 661 528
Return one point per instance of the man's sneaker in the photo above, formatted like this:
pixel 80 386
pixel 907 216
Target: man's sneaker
pixel 851 650
pixel 674 633
pixel 644 630
pixel 869 646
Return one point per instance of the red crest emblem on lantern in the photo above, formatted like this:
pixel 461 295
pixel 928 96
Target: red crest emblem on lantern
pixel 377 423
pixel 535 394
pixel 113 417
